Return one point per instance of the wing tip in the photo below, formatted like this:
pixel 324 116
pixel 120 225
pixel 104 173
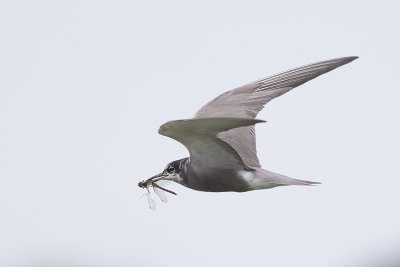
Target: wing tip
pixel 349 59
pixel 336 62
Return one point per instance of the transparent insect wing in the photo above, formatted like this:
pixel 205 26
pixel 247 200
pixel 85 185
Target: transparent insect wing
pixel 160 193
pixel 150 198
pixel 163 183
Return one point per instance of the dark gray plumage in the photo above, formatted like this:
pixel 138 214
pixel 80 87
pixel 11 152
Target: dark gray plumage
pixel 221 136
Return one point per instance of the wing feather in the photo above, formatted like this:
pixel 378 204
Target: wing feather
pixel 246 101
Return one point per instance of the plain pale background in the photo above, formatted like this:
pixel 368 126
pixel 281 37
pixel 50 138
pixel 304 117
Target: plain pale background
pixel 85 85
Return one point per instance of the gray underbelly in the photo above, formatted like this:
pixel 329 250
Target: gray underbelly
pixel 218 181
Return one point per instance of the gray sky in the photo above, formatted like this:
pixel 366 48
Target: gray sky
pixel 85 85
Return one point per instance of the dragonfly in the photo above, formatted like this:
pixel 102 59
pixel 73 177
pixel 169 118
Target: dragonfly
pixel 155 186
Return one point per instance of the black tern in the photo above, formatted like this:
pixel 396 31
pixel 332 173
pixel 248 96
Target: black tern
pixel 221 137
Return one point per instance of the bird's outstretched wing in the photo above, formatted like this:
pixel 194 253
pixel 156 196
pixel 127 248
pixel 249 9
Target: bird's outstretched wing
pixel 199 136
pixel 246 101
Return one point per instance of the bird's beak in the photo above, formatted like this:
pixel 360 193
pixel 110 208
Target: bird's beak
pixel 157 177
pixel 152 179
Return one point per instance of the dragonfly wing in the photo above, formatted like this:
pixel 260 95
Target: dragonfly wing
pixel 150 198
pixel 160 193
pixel 152 203
pixel 163 183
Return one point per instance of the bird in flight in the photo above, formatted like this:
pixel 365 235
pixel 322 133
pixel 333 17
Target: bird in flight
pixel 221 138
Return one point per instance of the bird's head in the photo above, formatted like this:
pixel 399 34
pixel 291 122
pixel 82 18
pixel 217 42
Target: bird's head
pixel 173 172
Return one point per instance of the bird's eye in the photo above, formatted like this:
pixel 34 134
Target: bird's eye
pixel 170 169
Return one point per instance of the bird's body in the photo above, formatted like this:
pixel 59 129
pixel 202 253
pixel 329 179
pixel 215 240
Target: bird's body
pixel 203 179
pixel 221 136
pixel 237 179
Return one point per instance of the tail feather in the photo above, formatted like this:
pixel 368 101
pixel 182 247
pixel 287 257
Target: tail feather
pixel 301 182
pixel 263 179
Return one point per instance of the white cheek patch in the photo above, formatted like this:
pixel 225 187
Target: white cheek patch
pixel 178 178
pixel 173 177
